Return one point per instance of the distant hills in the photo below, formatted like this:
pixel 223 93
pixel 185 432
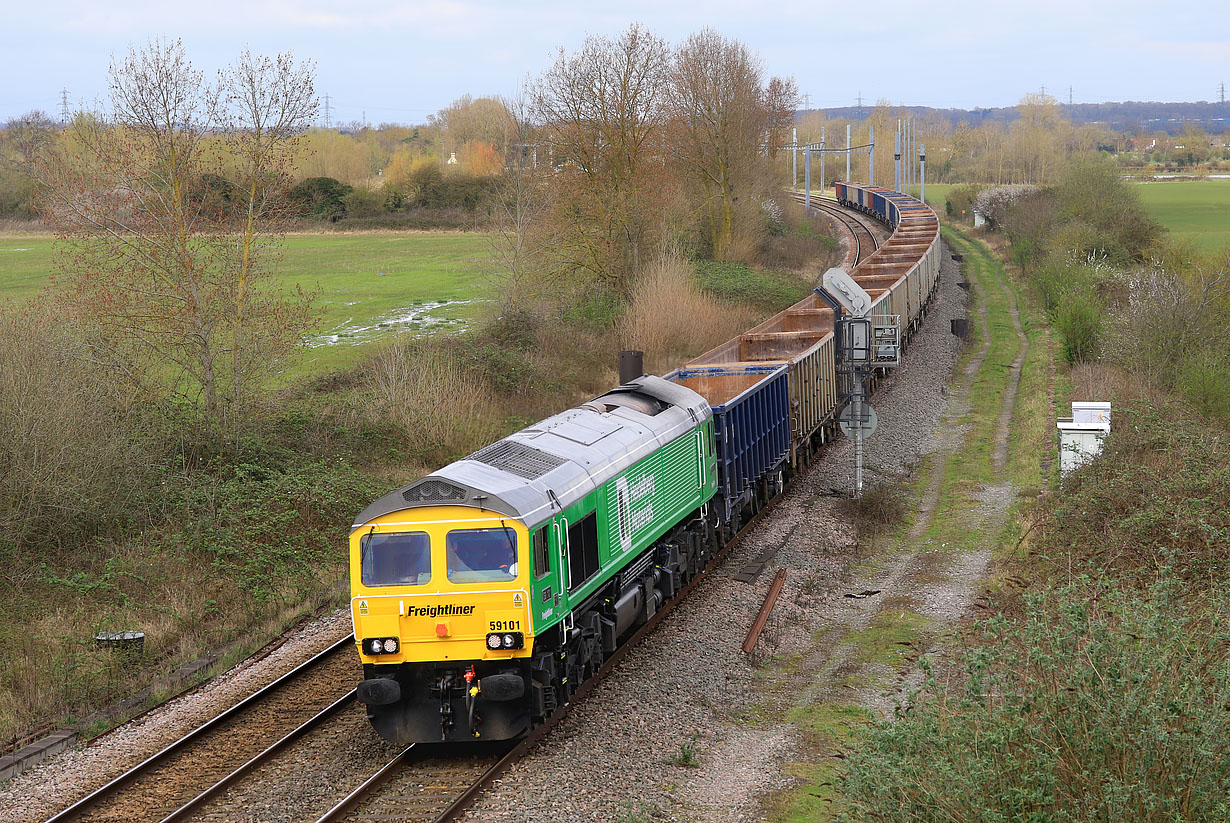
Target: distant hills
pixel 1131 116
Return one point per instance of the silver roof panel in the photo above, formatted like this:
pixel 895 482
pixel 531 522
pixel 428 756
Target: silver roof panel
pixel 536 472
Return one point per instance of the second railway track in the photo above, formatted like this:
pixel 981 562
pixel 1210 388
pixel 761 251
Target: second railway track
pixel 862 233
pixel 163 783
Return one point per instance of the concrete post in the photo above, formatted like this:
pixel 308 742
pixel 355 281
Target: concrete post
pixel 807 180
pixel 847 151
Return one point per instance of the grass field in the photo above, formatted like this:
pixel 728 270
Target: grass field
pixel 1197 210
pixel 366 284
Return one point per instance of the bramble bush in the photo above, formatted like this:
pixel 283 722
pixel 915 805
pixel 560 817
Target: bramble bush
pixel 1110 708
pixel 1158 497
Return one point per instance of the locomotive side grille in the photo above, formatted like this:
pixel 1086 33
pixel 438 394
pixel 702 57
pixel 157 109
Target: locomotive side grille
pixel 434 491
pixel 517 458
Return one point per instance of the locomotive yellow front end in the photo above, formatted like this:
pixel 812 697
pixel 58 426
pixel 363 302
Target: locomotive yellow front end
pixel 440 603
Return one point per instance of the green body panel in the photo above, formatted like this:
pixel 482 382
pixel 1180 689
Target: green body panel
pixel 654 494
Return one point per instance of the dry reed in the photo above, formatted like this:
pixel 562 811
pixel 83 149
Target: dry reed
pixel 438 409
pixel 670 319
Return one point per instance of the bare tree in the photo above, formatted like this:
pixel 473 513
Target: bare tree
pixel 601 108
pixel 151 263
pixel 522 199
pixel 27 138
pixel 720 117
pixel 268 102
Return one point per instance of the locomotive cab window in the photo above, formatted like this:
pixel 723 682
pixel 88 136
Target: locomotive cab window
pixel 542 557
pixel 395 559
pixel 481 555
pixel 582 550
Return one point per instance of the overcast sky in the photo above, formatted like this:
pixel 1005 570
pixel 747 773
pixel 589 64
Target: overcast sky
pixel 401 61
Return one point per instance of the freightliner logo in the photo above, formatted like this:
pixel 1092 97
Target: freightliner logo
pixel 438 611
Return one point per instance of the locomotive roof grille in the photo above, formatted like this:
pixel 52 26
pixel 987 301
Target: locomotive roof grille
pixel 434 491
pixel 516 458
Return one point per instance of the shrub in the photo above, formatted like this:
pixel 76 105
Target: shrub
pixel 320 197
pixel 881 507
pixel 60 480
pixel 1154 499
pixel 959 204
pixel 1204 381
pixel 363 202
pixel 1091 189
pixel 794 242
pixel 271 524
pixel 995 203
pixel 766 290
pixel 1083 710
pixel 1080 323
pixel 439 408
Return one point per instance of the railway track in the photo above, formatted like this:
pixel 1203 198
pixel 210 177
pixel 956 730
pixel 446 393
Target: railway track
pixel 860 228
pixel 417 787
pixel 178 780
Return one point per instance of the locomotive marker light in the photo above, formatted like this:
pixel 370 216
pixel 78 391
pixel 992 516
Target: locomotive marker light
pixel 380 645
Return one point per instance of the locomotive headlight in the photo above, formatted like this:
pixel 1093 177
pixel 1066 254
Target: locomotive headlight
pixel 380 645
pixel 501 642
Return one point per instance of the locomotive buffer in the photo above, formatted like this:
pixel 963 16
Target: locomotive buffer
pixel 867 342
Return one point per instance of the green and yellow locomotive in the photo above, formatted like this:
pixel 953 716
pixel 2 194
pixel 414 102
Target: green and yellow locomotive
pixel 485 593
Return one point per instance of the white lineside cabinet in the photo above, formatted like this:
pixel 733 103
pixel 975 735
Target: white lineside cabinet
pixel 1081 435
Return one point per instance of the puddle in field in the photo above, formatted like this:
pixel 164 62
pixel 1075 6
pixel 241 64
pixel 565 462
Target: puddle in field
pixel 15 249
pixel 410 318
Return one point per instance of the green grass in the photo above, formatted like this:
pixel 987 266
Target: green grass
pixel 362 282
pixel 936 192
pixel 1196 210
pixel 25 266
pixel 766 288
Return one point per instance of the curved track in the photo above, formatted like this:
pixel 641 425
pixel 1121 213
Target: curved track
pixel 182 775
pixel 864 239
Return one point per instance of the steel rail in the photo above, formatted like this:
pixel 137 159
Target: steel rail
pixel 852 222
pixel 119 782
pixel 766 608
pixel 273 749
pixel 864 221
pixel 365 788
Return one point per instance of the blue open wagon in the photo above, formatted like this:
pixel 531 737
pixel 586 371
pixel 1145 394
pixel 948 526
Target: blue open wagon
pixel 751 430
